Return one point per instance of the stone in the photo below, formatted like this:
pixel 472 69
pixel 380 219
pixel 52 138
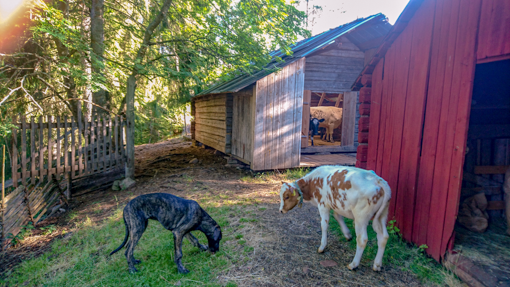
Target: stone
pixel 126 183
pixel 116 185
pixel 306 270
pixel 328 263
pixel 193 161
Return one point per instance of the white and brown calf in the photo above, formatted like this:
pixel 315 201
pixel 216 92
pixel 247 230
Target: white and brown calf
pixel 350 192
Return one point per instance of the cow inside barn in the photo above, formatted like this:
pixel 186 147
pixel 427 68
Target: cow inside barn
pixel 332 117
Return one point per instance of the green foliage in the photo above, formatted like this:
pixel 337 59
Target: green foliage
pixel 49 229
pixel 196 44
pixel 26 230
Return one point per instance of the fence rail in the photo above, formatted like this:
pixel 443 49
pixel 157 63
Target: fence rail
pixel 50 154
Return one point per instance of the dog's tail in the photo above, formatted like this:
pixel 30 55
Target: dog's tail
pixel 125 238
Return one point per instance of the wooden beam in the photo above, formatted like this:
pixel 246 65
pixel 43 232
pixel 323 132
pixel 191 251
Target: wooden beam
pixel 322 99
pixel 338 100
pixel 339 149
pixel 491 169
pixel 496 205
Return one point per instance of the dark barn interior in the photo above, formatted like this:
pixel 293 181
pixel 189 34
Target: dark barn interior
pixel 481 229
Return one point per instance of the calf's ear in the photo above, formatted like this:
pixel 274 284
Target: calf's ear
pixel 216 235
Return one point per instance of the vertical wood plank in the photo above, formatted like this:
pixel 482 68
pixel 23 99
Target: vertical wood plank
pixel 79 146
pixel 298 116
pixel 33 152
pixel 50 147
pixel 289 113
pixel 58 143
pixel 283 108
pixel 414 114
pixel 268 122
pixel 307 97
pixel 439 194
pixel 121 140
pixel 259 134
pixel 111 157
pixel 431 126
pixel 42 171
pixel 117 142
pixel 275 121
pixel 74 169
pixel 24 170
pixel 87 126
pixel 14 156
pixel 103 142
pixel 375 116
pixel 349 118
pixel 93 144
pixel 66 146
pixel 465 71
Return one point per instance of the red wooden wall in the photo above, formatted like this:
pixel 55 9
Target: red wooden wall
pixel 420 104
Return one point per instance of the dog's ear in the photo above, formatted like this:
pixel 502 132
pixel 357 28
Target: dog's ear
pixel 217 232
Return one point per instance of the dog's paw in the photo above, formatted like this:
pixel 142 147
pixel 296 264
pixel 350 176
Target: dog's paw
pixel 132 270
pixel 203 247
pixel 183 270
pixel 137 261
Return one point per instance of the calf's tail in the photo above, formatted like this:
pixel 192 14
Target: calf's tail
pixel 383 210
pixel 125 238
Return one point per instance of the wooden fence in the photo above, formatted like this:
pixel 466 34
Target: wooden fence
pixel 50 156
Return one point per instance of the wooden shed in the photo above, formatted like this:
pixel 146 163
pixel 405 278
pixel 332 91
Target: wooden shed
pixel 262 118
pixel 419 109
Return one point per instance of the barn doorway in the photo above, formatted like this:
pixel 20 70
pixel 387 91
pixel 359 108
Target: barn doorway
pixel 338 146
pixel 481 235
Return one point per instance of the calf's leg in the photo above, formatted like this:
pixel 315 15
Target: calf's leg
pixel 361 224
pixel 343 226
pixel 324 212
pixel 379 225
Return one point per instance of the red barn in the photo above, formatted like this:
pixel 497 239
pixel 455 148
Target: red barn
pixel 418 105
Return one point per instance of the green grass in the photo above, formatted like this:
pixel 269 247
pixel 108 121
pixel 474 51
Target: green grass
pixel 82 259
pixel 272 176
pixel 398 253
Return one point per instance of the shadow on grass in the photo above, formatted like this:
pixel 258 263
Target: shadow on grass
pixel 82 259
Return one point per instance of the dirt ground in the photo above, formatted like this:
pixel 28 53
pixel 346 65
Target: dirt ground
pixel 284 246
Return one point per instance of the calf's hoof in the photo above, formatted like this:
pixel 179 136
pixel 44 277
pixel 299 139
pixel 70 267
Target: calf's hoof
pixel 351 266
pixel 376 268
pixel 320 250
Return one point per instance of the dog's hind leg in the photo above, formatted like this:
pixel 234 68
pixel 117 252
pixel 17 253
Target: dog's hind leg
pixel 136 229
pixel 195 242
pixel 178 235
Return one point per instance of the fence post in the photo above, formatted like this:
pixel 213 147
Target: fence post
pixel 3 200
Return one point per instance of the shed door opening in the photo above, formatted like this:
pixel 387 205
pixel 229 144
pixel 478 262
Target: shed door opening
pixel 482 232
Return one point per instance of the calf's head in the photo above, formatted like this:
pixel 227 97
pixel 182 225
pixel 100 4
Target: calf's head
pixel 289 197
pixel 314 126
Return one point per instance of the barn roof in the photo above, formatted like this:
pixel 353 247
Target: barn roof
pixel 373 27
pixel 392 35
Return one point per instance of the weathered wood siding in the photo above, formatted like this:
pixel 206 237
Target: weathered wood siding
pixel 494 31
pixel 349 118
pixel 278 117
pixel 334 70
pixel 242 125
pixel 213 121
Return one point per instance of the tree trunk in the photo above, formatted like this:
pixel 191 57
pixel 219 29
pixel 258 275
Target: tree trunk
pixel 131 86
pixel 97 43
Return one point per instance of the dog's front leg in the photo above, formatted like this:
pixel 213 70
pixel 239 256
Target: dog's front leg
pixel 195 242
pixel 178 252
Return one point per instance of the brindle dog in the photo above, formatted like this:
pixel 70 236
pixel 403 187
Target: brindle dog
pixel 175 214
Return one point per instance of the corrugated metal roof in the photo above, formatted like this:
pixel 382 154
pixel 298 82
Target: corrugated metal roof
pixel 306 47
